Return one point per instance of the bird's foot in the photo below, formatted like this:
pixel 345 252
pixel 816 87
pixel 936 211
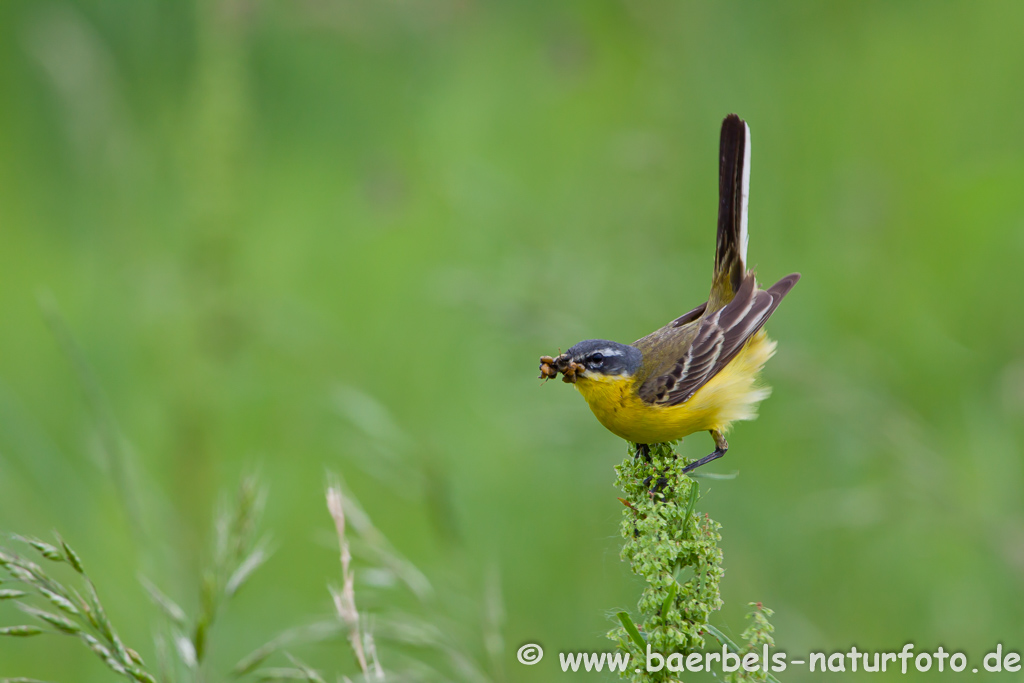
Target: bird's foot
pixel 722 447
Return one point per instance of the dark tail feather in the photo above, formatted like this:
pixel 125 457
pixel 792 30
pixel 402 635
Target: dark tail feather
pixel 731 250
pixel 782 287
pixel 779 290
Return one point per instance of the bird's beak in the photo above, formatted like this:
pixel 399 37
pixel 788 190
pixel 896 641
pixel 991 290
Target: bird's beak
pixel 551 366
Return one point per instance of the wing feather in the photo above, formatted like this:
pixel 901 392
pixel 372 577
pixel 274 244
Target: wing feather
pixel 720 336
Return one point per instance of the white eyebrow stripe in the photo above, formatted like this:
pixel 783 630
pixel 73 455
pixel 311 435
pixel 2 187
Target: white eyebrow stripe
pixel 608 352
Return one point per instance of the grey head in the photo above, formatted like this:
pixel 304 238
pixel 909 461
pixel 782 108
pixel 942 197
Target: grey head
pixel 604 357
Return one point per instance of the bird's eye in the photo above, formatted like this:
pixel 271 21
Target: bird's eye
pixel 596 358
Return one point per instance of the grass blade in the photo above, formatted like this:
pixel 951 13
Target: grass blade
pixel 634 634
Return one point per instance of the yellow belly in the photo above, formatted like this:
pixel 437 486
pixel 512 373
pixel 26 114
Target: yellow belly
pixel 729 396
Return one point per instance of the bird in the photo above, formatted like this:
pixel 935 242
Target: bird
pixel 700 372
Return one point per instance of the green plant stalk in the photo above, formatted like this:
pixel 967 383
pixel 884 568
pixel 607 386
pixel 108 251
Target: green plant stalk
pixel 756 635
pixel 664 536
pixel 77 615
pixel 665 539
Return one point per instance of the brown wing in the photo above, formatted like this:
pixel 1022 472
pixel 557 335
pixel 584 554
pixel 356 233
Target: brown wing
pixel 720 336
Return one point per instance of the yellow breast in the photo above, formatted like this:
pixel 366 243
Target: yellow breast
pixel 731 395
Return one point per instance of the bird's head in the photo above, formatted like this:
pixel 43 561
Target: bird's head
pixel 593 359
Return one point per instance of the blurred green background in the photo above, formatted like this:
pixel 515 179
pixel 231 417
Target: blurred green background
pixel 335 236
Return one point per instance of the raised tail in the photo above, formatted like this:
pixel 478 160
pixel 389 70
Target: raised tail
pixel 733 188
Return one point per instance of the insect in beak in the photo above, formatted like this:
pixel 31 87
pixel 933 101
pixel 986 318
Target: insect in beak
pixel 550 367
pixel 571 372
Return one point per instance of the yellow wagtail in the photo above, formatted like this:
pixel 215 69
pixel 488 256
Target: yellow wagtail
pixel 700 371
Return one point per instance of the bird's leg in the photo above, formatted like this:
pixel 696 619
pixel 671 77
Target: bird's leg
pixel 643 450
pixel 721 447
pixel 659 486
